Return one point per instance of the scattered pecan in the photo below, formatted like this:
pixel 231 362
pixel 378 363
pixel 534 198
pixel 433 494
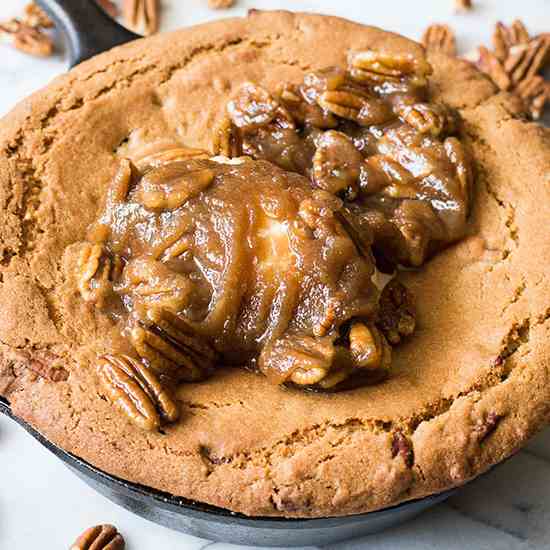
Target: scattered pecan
pixel 170 346
pixel 402 446
pixel 142 16
pixel 396 316
pixel 440 38
pixel 109 7
pixel 489 63
pixel 100 537
pixel 484 428
pixel 136 391
pixel 220 4
pixel 35 16
pixel 526 60
pixel 536 93
pixel 506 37
pixel 463 5
pixel 26 38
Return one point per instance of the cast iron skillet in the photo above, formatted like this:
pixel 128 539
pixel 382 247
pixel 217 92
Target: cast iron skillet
pixel 88 31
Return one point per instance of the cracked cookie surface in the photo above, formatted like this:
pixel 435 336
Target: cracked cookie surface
pixel 468 391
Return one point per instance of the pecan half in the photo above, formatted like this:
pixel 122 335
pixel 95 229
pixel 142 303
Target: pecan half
pixel 506 37
pixel 526 60
pixel 170 185
pixel 439 38
pixel 463 5
pixel 489 63
pixel 426 118
pixel 100 537
pixel 396 316
pixel 535 91
pixel 228 140
pixel 375 66
pixel 96 273
pixel 136 391
pixel 220 4
pixel 26 38
pixel 336 164
pixel 35 16
pixel 299 359
pixel 169 344
pixel 142 16
pixel 369 348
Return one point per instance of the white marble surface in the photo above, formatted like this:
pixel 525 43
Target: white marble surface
pixel 43 505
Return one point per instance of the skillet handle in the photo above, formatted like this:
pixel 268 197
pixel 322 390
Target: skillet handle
pixel 87 28
pixel 5 407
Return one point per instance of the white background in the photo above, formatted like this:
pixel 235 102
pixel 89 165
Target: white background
pixel 43 505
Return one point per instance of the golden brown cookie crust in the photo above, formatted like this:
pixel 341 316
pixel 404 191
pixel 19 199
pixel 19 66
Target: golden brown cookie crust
pixel 466 391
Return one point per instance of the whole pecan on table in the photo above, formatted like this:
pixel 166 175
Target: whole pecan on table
pixel 142 16
pixel 27 33
pixel 440 38
pixel 99 537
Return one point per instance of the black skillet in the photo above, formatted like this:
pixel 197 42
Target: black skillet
pixel 89 31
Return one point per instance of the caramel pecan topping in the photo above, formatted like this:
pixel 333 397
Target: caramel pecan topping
pixel 375 66
pixel 396 316
pixel 136 391
pixel 440 38
pixel 227 139
pixel 97 270
pixel 168 343
pixel 171 184
pixel 302 360
pixel 369 347
pixel 100 537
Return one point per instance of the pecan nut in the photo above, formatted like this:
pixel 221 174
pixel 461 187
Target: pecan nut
pixel 489 63
pixel 169 344
pixel 27 38
pixel 369 348
pixel 298 359
pixel 439 38
pixel 336 164
pixel 35 16
pixel 506 37
pixel 375 67
pixel 99 537
pixel 137 391
pixel 96 273
pixel 397 312
pixel 228 140
pixel 169 186
pixel 142 16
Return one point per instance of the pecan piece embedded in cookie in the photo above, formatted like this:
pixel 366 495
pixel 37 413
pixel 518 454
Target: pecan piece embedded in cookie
pixel 99 537
pixel 136 391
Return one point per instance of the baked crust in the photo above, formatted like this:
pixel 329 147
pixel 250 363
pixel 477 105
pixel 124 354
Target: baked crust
pixel 466 391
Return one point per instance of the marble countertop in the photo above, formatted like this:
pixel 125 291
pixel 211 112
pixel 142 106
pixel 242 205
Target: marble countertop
pixel 43 504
